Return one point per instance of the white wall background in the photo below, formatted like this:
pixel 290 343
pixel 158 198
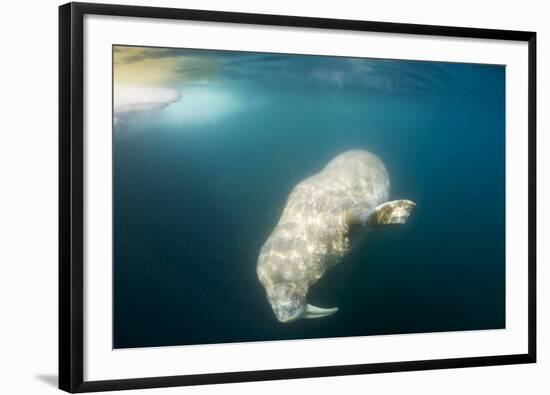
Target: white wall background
pixel 28 195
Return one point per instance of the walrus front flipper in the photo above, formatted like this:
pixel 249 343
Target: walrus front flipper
pixel 389 213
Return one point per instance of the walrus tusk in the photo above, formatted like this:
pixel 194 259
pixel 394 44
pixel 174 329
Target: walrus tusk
pixel 317 312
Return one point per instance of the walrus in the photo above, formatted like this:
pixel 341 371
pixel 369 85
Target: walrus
pixel 325 216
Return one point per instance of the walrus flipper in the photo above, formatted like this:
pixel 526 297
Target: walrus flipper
pixel 390 213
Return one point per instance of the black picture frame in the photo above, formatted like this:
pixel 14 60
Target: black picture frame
pixel 71 195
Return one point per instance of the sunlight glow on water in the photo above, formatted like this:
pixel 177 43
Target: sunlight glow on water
pixel 202 104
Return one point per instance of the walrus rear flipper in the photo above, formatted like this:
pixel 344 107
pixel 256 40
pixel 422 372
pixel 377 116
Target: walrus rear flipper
pixel 389 213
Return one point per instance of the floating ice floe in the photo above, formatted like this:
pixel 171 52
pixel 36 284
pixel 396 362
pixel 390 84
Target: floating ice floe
pixel 128 99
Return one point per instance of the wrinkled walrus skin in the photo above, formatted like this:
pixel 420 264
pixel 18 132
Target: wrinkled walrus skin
pixel 324 217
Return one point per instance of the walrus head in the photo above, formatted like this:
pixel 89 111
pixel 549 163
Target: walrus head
pixel 288 301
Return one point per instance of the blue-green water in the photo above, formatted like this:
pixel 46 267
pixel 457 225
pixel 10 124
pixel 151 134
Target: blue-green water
pixel 200 184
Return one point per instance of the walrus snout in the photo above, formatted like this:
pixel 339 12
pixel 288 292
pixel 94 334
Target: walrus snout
pixel 287 301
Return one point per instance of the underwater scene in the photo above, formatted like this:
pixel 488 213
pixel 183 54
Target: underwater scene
pixel 263 196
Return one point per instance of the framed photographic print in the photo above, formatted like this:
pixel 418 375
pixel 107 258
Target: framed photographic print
pixel 258 197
